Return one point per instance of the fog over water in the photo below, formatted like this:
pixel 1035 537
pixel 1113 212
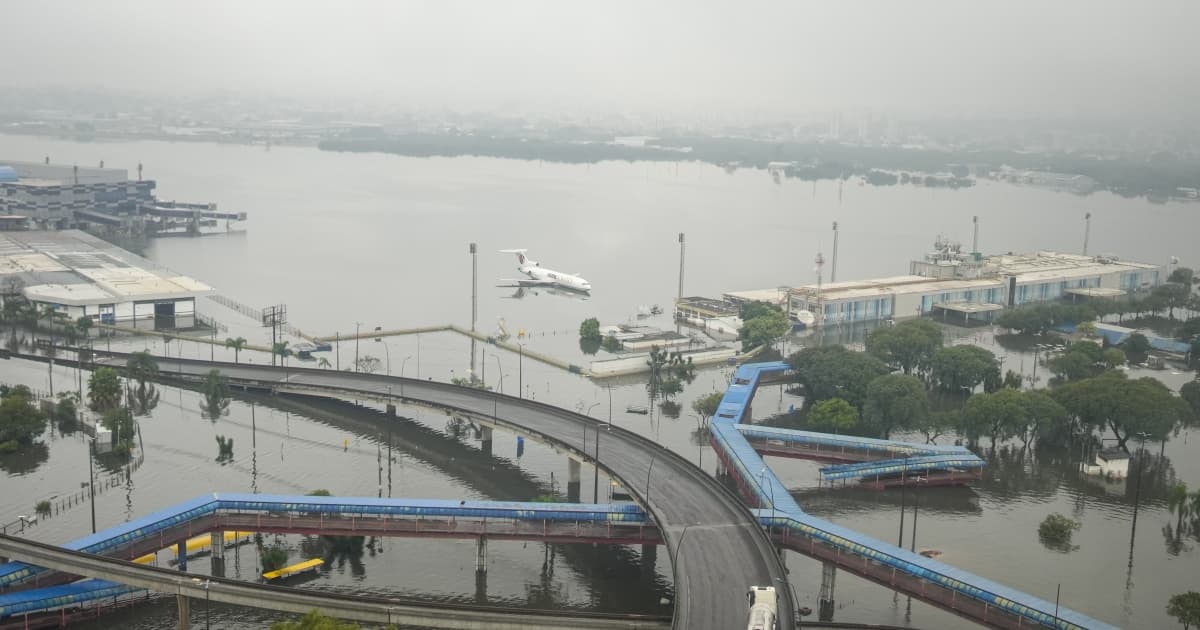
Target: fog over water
pixel 679 59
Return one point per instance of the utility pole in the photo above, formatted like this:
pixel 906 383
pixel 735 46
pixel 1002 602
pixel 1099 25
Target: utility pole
pixel 975 239
pixel 474 302
pixel 92 481
pixel 820 261
pixel 357 326
pixel 682 248
pixel 1087 229
pixel 833 265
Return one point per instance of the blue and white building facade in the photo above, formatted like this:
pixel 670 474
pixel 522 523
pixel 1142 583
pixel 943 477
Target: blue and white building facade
pixel 973 285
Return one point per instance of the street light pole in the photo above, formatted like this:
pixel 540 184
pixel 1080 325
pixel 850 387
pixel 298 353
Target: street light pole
pixel 609 407
pixel 903 506
pixel 402 365
pixel 648 471
pixel 521 371
pixel 92 481
pixel 499 370
pixel 387 353
pixel 357 327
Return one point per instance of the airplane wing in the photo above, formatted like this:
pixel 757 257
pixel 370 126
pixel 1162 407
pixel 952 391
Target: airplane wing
pixel 525 282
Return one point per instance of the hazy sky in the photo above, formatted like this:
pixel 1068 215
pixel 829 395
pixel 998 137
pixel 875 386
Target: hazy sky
pixel 696 57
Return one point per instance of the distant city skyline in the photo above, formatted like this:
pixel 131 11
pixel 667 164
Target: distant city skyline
pixel 749 61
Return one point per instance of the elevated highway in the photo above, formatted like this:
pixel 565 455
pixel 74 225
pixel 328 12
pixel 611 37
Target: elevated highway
pixel 717 546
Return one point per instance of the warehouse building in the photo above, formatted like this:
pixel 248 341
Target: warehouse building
pixel 79 275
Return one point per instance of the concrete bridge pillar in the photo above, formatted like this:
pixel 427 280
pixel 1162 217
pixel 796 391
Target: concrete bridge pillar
pixel 481 556
pixel 217 544
pixel 828 578
pixel 573 475
pixel 181 555
pixel 481 587
pixel 485 439
pixel 649 561
pixel 184 607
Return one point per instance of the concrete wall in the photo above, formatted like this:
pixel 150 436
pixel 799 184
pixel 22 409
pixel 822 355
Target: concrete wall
pixel 636 364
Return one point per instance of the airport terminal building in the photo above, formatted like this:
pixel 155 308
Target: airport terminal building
pixel 55 195
pixel 965 286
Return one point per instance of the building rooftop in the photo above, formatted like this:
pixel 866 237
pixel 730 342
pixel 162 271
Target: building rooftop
pixel 74 268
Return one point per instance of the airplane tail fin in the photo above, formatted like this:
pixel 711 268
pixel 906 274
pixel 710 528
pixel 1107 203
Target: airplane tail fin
pixel 522 259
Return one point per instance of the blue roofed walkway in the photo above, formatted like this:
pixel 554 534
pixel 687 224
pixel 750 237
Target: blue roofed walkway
pixel 966 594
pixel 624 523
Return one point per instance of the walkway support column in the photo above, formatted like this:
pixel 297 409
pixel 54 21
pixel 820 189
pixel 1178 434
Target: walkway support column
pixel 649 561
pixel 573 475
pixel 217 543
pixel 485 440
pixel 181 555
pixel 828 578
pixel 481 556
pixel 182 604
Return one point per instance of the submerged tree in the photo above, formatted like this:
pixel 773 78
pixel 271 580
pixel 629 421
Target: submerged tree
pixel 216 396
pixel 143 369
pixel 1055 532
pixel 104 389
pixel 1185 608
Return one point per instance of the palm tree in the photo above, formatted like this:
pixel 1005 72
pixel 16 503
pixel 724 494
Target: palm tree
pixel 238 344
pixel 142 367
pixel 322 362
pixel 281 348
pixel 83 325
pixel 1177 502
pixel 48 313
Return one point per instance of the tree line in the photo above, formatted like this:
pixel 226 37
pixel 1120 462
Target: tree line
pixel 906 369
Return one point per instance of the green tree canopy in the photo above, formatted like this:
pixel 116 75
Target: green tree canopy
pixel 1113 357
pixel 314 620
pixel 142 368
pixel 1181 275
pixel 216 395
pixel 764 329
pixel 706 405
pixel 956 367
pixel 998 415
pixel 908 346
pixel 1124 406
pixel 939 423
pixel 238 344
pixel 590 330
pixel 1190 393
pixel 835 372
pixel 1038 318
pixel 895 401
pixel 20 420
pixel 1137 343
pixel 1185 608
pixel 833 414
pixel 104 389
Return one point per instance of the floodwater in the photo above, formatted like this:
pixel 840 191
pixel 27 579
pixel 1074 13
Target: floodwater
pixel 358 240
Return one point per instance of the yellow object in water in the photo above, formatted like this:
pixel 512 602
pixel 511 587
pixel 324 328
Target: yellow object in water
pixel 294 569
pixel 198 543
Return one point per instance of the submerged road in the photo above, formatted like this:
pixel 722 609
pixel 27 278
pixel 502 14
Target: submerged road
pixel 717 546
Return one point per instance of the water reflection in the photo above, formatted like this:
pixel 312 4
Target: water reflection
pixel 25 460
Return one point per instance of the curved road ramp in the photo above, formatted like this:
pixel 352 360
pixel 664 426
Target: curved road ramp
pixel 717 547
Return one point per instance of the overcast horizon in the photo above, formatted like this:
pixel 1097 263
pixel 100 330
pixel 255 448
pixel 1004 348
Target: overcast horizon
pixel 1068 57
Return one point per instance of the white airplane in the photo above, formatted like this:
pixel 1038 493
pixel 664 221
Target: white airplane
pixel 539 276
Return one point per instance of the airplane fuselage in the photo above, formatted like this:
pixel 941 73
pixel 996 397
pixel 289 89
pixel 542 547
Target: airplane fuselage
pixel 557 278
